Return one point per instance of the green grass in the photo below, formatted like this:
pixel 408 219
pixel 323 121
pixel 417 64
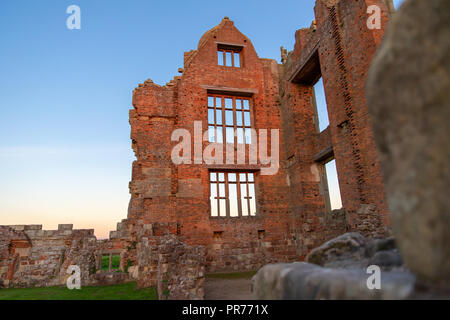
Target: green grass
pixel 115 262
pixel 232 275
pixel 127 291
pixel 105 263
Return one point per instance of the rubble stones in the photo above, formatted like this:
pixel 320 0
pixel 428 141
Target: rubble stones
pixel 305 281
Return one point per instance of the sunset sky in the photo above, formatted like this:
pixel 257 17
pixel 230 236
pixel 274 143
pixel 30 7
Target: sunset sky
pixel 65 150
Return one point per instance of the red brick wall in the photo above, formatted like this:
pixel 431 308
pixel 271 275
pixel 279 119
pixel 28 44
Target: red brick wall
pixel 291 217
pixel 346 50
pixel 160 110
pixel 345 47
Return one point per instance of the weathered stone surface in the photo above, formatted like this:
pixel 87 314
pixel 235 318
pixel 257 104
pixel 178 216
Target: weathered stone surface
pixel 408 92
pixel 386 259
pixel 175 268
pixel 339 251
pixel 342 274
pixel 181 270
pixel 352 250
pixel 376 245
pixel 305 281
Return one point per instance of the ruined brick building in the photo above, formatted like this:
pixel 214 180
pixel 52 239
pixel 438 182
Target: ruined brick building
pixel 230 217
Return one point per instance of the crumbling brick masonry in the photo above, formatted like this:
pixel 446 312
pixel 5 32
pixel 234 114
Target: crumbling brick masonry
pixel 195 217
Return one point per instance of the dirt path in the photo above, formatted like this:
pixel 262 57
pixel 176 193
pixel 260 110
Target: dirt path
pixel 228 289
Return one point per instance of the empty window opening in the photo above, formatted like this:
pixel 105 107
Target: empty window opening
pixel 232 194
pixel 110 262
pixel 105 262
pixel 333 185
pixel 115 262
pixel 229 119
pixel 321 105
pixel 229 56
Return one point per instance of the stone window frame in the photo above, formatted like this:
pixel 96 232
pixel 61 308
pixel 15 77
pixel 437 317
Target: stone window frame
pixel 244 180
pixel 235 109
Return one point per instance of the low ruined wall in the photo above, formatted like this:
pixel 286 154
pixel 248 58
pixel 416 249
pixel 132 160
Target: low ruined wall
pixel 181 270
pixel 174 267
pixel 31 257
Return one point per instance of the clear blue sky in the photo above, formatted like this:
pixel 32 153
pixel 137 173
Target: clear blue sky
pixel 65 153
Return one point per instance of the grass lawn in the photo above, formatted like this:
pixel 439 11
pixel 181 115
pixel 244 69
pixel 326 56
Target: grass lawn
pixel 232 275
pixel 115 262
pixel 127 291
